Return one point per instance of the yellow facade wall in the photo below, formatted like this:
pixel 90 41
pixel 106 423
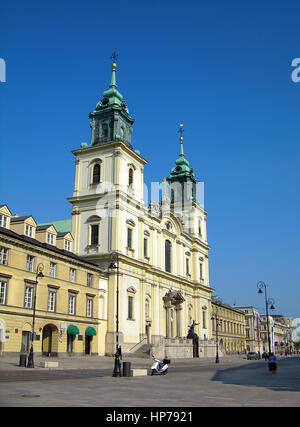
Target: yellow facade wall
pixel 16 319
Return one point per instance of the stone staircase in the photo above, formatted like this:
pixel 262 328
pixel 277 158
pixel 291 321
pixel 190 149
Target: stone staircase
pixel 144 351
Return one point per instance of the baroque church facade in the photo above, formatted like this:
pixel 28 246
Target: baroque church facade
pixel 161 286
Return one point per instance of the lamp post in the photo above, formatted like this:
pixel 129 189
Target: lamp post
pixel 39 273
pixel 115 265
pixel 217 300
pixel 269 304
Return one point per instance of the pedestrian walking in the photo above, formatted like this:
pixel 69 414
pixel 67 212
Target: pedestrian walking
pixel 272 363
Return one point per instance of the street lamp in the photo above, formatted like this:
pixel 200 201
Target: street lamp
pixel 217 300
pixel 269 304
pixel 39 273
pixel 115 265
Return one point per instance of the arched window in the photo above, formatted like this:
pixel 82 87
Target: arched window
pixel 168 256
pixel 96 174
pixel 130 176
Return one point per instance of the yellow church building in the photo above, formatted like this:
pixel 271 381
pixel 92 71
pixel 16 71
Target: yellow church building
pixel 162 281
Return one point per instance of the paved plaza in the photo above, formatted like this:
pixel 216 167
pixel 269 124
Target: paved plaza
pixel 88 381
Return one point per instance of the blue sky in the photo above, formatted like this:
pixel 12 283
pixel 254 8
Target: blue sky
pixel 221 68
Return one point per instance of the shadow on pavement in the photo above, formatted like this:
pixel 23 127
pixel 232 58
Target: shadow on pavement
pixel 286 378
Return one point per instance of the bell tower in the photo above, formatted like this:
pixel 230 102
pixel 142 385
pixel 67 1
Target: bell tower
pixel 181 180
pixel 110 121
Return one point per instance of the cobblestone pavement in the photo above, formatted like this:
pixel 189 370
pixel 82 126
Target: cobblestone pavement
pixel 85 381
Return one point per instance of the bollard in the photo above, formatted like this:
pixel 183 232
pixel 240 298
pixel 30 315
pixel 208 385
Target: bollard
pixel 23 358
pixel 126 369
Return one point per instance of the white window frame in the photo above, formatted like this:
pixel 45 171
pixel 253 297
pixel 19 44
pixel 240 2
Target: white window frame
pixel 89 307
pixel 89 279
pixel 28 230
pixel 68 245
pixel 51 300
pixel 30 263
pixel 3 255
pixel 52 270
pixel 72 304
pixel 3 221
pixel 28 297
pixel 3 291
pixel 72 275
pixel 50 239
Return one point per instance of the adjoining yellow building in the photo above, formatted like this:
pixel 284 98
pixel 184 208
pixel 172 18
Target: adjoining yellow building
pixel 70 315
pixel 230 322
pixel 252 328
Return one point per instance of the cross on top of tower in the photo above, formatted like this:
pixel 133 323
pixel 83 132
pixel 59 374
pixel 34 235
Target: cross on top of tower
pixel 114 55
pixel 181 130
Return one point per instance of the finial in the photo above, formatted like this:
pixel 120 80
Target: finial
pixel 181 130
pixel 114 56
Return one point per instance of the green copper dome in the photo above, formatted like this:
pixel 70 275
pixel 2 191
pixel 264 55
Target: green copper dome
pixel 110 119
pixel 111 97
pixel 182 165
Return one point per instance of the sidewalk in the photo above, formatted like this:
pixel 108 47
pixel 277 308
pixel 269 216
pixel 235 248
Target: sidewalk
pixel 11 363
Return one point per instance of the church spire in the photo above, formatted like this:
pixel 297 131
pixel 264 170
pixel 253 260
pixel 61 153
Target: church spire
pixel 114 56
pixel 181 160
pixel 110 119
pixel 181 173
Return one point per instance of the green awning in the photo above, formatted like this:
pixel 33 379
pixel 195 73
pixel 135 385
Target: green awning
pixel 90 331
pixel 72 330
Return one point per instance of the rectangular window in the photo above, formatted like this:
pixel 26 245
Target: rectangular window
pixel 187 266
pixel 3 221
pixel 28 230
pixel 95 234
pixel 204 318
pixel 68 245
pixel 29 263
pixel 50 239
pixel 89 307
pixel 130 307
pixel 72 275
pixel 28 297
pixel 3 256
pixel 72 301
pixel 3 287
pixel 201 271
pixel 89 279
pixel 129 238
pixel 52 270
pixel 51 301
pixel 145 248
